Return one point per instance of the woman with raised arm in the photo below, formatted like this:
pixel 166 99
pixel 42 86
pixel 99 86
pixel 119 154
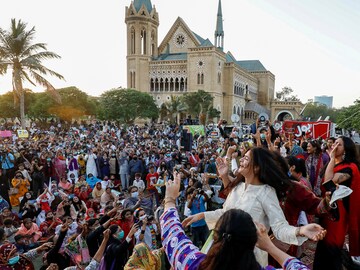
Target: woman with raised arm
pixel 256 193
pixel 233 246
pixel 343 169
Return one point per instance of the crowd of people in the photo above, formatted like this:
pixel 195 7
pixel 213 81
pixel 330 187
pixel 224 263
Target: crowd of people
pixel 103 196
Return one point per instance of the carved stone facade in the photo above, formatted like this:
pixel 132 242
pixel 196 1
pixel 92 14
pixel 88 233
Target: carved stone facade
pixel 186 62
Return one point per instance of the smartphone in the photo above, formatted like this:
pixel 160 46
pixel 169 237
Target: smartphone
pixel 330 186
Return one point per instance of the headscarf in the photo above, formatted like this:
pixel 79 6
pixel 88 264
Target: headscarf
pixel 97 192
pixel 145 259
pixel 7 251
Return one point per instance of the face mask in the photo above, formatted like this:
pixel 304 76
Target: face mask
pixel 120 235
pixel 289 173
pixel 56 193
pixel 135 194
pixel 135 158
pixel 91 214
pixel 14 260
pixel 48 159
pixel 262 136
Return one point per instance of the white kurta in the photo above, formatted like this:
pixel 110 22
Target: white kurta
pixel 261 202
pixel 91 164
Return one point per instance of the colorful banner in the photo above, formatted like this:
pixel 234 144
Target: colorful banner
pixel 22 133
pixel 196 129
pixel 5 134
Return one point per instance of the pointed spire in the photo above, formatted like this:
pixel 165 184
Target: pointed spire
pixel 139 3
pixel 219 31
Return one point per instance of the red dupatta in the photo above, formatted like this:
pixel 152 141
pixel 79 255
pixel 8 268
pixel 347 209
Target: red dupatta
pixel 349 222
pixel 354 208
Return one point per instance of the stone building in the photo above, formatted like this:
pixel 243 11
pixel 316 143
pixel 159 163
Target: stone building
pixel 184 62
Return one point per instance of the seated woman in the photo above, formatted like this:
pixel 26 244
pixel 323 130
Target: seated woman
pixel 10 259
pixel 30 229
pixel 106 197
pixel 48 226
pixel 233 245
pixel 65 185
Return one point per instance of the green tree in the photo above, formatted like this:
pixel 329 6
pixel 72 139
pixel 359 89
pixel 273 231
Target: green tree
pixel 40 107
pixel 8 108
pixel 174 108
pixel 126 105
pixel 286 94
pixel 200 103
pixel 349 117
pixel 315 110
pixel 24 58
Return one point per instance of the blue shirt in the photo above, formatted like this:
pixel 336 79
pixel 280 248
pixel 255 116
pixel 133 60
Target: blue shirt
pixel 198 206
pixel 7 162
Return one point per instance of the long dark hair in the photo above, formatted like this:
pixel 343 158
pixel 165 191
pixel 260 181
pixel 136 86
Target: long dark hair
pixel 351 154
pixel 268 166
pixel 234 241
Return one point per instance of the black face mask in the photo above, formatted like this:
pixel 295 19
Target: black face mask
pixel 135 158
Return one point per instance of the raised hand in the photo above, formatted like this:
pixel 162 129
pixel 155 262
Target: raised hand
pixel 222 167
pixel 313 231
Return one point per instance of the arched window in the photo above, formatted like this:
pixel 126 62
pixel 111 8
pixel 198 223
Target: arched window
pixel 177 84
pixel 143 41
pixel 166 84
pixel 152 85
pixel 234 110
pixel 182 84
pixel 198 78
pixel 172 84
pixel 156 87
pixel 132 41
pixel 219 77
pixel 202 78
pixel 161 84
pixel 152 43
pixel 238 111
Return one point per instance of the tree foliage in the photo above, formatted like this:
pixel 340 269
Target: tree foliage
pixel 126 105
pixel 286 94
pixel 349 117
pixel 24 58
pixel 200 103
pixel 315 110
pixel 173 109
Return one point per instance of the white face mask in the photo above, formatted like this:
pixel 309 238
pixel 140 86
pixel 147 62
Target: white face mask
pixel 135 194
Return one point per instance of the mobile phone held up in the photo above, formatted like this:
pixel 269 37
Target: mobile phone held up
pixel 330 186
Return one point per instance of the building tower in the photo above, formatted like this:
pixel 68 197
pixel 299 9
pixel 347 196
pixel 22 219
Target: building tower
pixel 219 31
pixel 142 21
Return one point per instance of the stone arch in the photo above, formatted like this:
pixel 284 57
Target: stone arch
pixel 284 114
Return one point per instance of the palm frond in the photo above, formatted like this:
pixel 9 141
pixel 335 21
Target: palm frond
pixel 49 88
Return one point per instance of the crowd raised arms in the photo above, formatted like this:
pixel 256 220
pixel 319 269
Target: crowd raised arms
pixel 104 196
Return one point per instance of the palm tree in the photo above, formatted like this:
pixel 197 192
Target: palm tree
pixel 18 53
pixel 175 107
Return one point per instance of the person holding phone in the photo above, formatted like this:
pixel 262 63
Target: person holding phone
pixel 342 169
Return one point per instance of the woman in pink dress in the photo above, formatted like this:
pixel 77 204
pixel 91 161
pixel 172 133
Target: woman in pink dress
pixel 59 166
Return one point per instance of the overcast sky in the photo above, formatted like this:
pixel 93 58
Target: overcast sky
pixel 311 46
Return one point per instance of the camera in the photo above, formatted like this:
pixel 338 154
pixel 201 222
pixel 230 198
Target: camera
pixel 150 218
pixel 224 122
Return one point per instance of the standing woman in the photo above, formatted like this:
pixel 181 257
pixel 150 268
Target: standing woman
pixel 59 166
pixel 256 193
pixel 314 165
pixel 37 176
pixel 22 185
pixel 124 170
pixel 343 169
